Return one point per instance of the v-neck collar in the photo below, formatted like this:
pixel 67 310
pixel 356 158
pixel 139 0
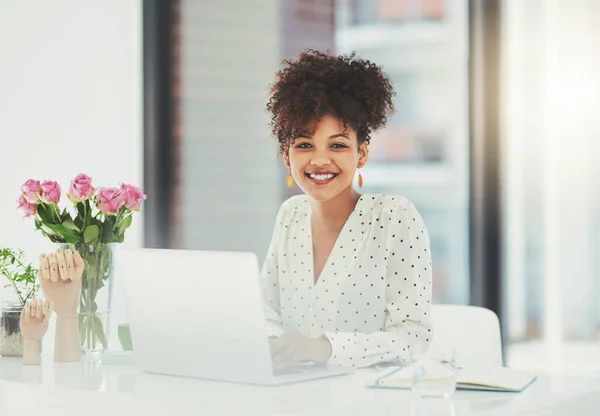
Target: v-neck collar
pixel 332 255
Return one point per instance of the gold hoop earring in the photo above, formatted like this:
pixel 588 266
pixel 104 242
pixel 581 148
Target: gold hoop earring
pixel 289 180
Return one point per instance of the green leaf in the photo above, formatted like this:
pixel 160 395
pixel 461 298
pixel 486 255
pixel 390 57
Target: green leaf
pixel 81 209
pixel 125 224
pixel 90 234
pixel 68 223
pixel 98 330
pixel 78 222
pixel 68 235
pixel 64 215
pixel 108 229
pixel 47 230
pixel 45 214
pixel 21 276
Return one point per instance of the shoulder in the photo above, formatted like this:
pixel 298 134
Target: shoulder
pixel 395 205
pixel 294 203
pixel 292 206
pixel 395 213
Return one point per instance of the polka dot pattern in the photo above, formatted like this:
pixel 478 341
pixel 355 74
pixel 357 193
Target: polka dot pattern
pixel 373 297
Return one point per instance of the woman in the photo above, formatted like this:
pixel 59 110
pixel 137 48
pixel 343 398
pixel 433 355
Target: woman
pixel 347 279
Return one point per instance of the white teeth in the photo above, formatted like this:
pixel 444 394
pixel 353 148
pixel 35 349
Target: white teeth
pixel 322 177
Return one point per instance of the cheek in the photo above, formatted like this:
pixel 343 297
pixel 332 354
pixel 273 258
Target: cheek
pixel 297 160
pixel 348 162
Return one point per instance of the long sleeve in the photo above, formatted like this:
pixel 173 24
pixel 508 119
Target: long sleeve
pixel 407 333
pixel 269 276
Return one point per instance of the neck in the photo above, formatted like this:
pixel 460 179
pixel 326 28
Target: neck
pixel 331 215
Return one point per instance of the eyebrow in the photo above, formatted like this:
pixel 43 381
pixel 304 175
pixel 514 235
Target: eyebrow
pixel 334 136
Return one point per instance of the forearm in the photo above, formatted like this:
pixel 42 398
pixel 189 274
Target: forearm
pixel 394 345
pixel 273 321
pixel 31 352
pixel 66 347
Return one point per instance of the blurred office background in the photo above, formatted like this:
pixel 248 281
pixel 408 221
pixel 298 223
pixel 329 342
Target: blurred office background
pixel 494 139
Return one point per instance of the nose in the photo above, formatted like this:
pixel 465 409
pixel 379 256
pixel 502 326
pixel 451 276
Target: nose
pixel 321 158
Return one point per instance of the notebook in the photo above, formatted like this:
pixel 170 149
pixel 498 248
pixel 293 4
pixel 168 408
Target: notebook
pixel 480 378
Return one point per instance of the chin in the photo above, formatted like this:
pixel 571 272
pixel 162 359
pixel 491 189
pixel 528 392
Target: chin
pixel 323 193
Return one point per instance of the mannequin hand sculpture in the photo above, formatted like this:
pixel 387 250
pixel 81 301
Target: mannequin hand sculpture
pixel 293 348
pixel 34 324
pixel 60 281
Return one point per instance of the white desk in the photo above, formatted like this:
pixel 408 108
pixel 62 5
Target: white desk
pixel 88 388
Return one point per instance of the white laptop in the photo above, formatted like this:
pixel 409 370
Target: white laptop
pixel 200 314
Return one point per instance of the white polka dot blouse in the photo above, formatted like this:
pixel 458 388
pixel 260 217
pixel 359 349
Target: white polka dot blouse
pixel 372 299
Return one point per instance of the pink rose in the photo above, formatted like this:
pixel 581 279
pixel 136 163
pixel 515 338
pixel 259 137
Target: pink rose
pixel 31 191
pixel 26 207
pixel 50 192
pixel 81 188
pixel 133 196
pixel 110 200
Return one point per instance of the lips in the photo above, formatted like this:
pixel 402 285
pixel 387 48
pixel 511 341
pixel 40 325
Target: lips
pixel 321 178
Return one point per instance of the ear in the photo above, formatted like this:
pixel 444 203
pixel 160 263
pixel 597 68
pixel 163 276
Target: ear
pixel 286 158
pixel 363 155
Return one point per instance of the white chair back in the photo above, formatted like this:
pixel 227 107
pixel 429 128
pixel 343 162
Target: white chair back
pixel 472 331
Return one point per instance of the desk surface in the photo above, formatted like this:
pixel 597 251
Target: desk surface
pixel 89 388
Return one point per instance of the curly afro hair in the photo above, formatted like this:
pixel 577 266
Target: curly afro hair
pixel 316 84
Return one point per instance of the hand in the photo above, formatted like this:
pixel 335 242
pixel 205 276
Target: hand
pixel 60 280
pixel 293 348
pixel 34 319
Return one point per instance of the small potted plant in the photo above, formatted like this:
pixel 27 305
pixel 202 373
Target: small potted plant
pixel 22 280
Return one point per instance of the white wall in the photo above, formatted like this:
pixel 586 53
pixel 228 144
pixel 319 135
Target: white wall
pixel 70 102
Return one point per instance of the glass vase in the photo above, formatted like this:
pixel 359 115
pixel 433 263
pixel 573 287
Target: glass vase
pixel 11 339
pixel 96 295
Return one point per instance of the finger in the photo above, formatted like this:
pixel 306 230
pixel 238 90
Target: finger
pixel 27 312
pixel 38 309
pixel 53 267
pixel 78 264
pixel 284 356
pixel 44 267
pixel 69 263
pixel 290 360
pixel 50 309
pixel 276 346
pixel 47 311
pixel 62 265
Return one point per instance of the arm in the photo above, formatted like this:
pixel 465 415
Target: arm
pixel 66 347
pixel 31 352
pixel 269 277
pixel 408 326
pixel 34 324
pixel 60 281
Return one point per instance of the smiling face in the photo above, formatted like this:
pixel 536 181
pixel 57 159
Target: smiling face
pixel 324 165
